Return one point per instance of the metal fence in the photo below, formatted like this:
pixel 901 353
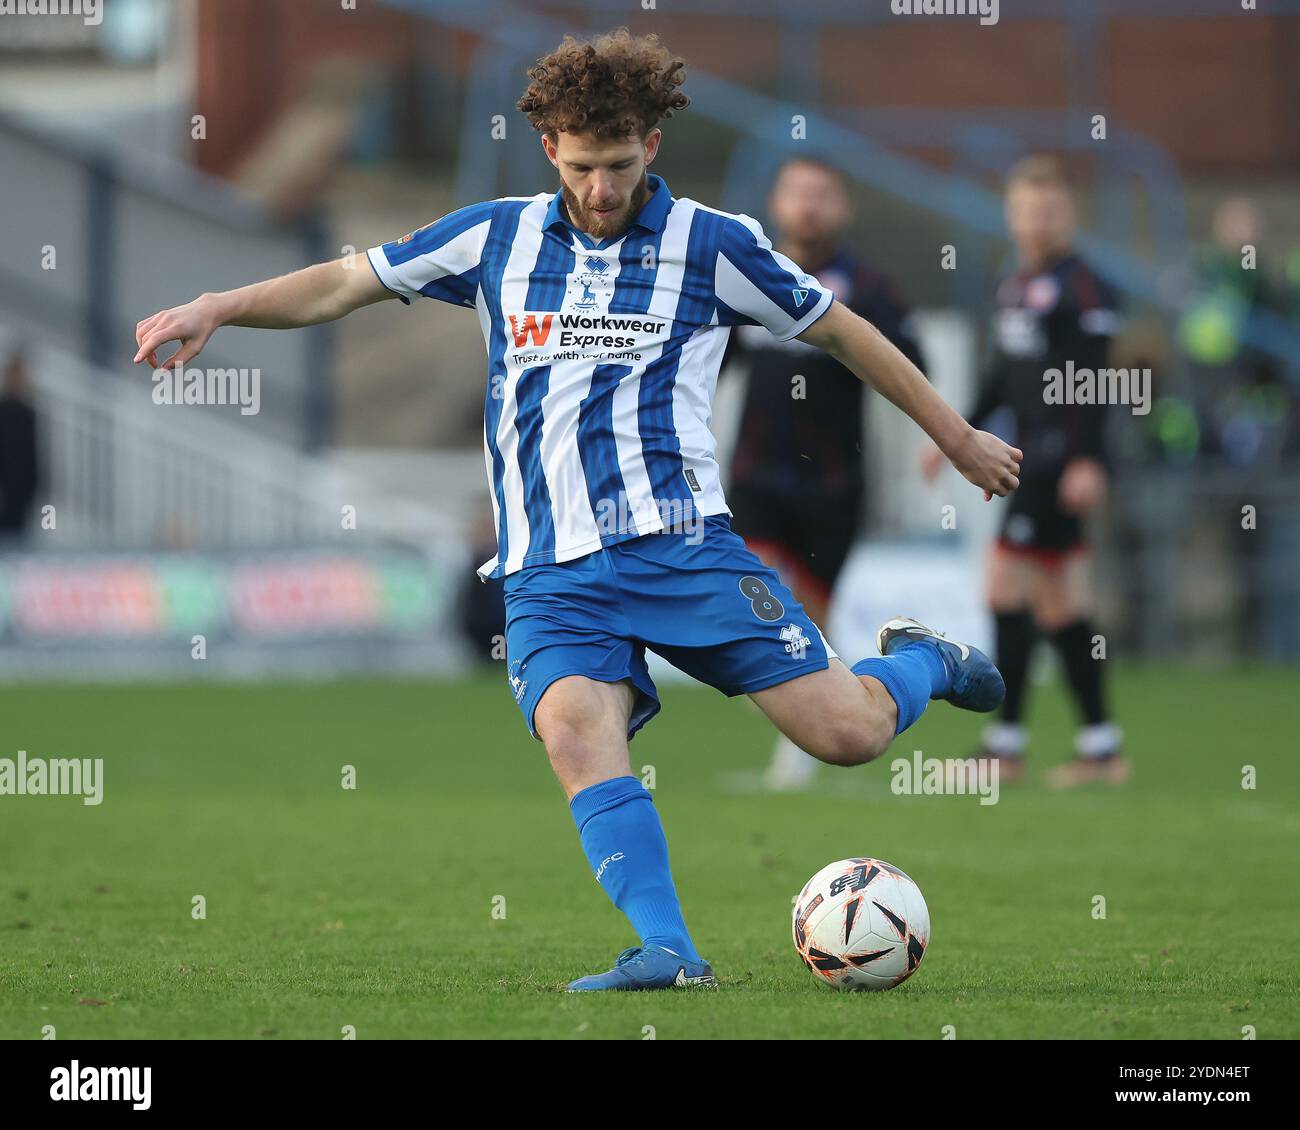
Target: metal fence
pixel 124 472
pixel 94 243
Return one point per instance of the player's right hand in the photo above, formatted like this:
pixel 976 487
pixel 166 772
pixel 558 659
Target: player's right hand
pixel 191 325
pixel 986 461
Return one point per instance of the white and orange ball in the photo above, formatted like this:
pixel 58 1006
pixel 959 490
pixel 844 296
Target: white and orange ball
pixel 861 924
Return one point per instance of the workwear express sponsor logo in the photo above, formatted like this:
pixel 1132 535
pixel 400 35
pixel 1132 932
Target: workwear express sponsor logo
pixel 583 331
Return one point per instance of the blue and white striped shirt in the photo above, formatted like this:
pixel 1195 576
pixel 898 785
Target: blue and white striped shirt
pixel 602 357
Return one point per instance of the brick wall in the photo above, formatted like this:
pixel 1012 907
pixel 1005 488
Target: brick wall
pixel 1221 94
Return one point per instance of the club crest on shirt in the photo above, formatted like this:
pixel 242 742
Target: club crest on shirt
pixel 591 287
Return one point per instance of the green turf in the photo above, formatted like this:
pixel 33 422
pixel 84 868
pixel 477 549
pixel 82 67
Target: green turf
pixel 373 907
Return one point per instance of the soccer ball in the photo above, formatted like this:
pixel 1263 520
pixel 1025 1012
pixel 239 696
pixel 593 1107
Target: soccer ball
pixel 861 924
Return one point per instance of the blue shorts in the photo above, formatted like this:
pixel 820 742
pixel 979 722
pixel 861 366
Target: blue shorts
pixel 701 600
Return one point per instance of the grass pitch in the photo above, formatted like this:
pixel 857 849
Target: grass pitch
pixel 374 907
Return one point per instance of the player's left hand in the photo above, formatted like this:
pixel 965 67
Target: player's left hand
pixel 1082 486
pixel 986 461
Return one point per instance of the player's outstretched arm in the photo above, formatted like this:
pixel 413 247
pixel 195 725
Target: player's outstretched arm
pixel 304 298
pixel 853 341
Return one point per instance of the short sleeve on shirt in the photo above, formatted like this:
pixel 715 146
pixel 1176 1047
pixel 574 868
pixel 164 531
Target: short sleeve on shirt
pixel 756 285
pixel 440 260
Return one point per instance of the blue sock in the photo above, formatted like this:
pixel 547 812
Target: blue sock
pixel 625 845
pixel 913 674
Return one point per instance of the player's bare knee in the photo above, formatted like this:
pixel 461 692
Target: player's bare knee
pixel 563 740
pixel 585 736
pixel 847 740
pixel 867 745
pixel 578 752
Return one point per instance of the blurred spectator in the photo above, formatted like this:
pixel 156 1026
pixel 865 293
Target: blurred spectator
pixel 481 607
pixel 1249 410
pixel 1244 404
pixel 19 456
pixel 1293 283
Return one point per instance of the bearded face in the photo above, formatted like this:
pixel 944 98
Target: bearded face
pixel 603 183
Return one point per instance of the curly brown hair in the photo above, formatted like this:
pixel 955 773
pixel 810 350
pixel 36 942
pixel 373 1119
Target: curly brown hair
pixel 614 86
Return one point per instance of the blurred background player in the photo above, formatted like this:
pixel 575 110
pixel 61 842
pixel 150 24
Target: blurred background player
pixel 796 477
pixel 1051 310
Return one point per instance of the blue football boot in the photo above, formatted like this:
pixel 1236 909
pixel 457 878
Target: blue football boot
pixel 649 967
pixel 976 683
